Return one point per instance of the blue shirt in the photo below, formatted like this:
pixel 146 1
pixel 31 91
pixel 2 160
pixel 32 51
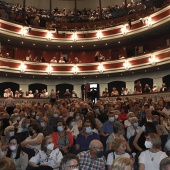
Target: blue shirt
pixel 107 127
pixel 84 141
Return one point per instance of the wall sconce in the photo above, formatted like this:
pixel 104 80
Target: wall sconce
pixel 22 67
pixel 126 65
pixel 153 60
pixel 24 31
pixel 149 21
pixel 49 69
pixel 99 34
pixel 100 68
pixel 74 36
pixel 49 35
pixel 75 69
pixel 124 29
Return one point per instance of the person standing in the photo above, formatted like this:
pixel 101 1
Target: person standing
pixel 9 105
pixel 53 96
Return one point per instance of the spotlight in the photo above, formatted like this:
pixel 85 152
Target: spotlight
pixel 64 34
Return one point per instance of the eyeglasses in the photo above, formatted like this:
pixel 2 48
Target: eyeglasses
pixel 73 166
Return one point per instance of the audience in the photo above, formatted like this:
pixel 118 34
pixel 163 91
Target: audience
pixel 106 130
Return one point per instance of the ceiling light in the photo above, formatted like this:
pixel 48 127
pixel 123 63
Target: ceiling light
pixel 49 35
pixel 126 65
pixel 100 68
pixel 74 36
pixel 22 67
pixel 153 60
pixel 99 34
pixel 49 69
pixel 75 69
pixel 124 29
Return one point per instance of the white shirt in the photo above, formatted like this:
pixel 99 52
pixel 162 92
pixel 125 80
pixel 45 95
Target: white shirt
pixel 147 156
pixel 112 156
pixel 42 158
pixel 37 147
pixel 131 131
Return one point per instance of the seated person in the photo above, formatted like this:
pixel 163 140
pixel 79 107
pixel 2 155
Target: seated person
pixel 118 131
pixel 92 158
pixel 70 161
pixel 15 152
pixel 53 60
pixel 123 163
pixel 61 60
pixel 83 139
pixel 35 139
pixel 134 128
pixel 119 150
pixel 46 129
pixel 47 149
pixel 114 92
pixel 62 138
pixel 67 94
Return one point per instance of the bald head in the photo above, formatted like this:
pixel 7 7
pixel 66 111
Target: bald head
pixel 95 143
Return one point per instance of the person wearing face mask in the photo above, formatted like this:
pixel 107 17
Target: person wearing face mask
pixel 35 139
pixel 72 127
pixel 140 138
pixel 62 138
pixel 78 120
pixel 38 117
pixel 48 155
pixel 107 127
pixel 45 128
pixel 92 158
pixel 8 132
pixel 118 131
pixel 134 128
pixel 118 150
pixel 151 158
pixel 70 162
pixel 83 139
pixel 15 152
pixel 54 118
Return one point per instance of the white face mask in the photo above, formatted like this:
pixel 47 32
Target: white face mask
pixel 148 144
pixel 50 146
pixel 12 147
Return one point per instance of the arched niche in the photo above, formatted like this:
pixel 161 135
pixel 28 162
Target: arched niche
pixel 37 86
pixel 144 81
pixel 117 84
pixel 62 88
pixel 5 85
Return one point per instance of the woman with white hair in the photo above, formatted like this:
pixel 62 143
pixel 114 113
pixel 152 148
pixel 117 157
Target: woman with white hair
pixel 127 122
pixel 134 128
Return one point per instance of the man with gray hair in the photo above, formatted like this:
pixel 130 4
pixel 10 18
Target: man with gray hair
pixel 165 164
pixel 93 158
